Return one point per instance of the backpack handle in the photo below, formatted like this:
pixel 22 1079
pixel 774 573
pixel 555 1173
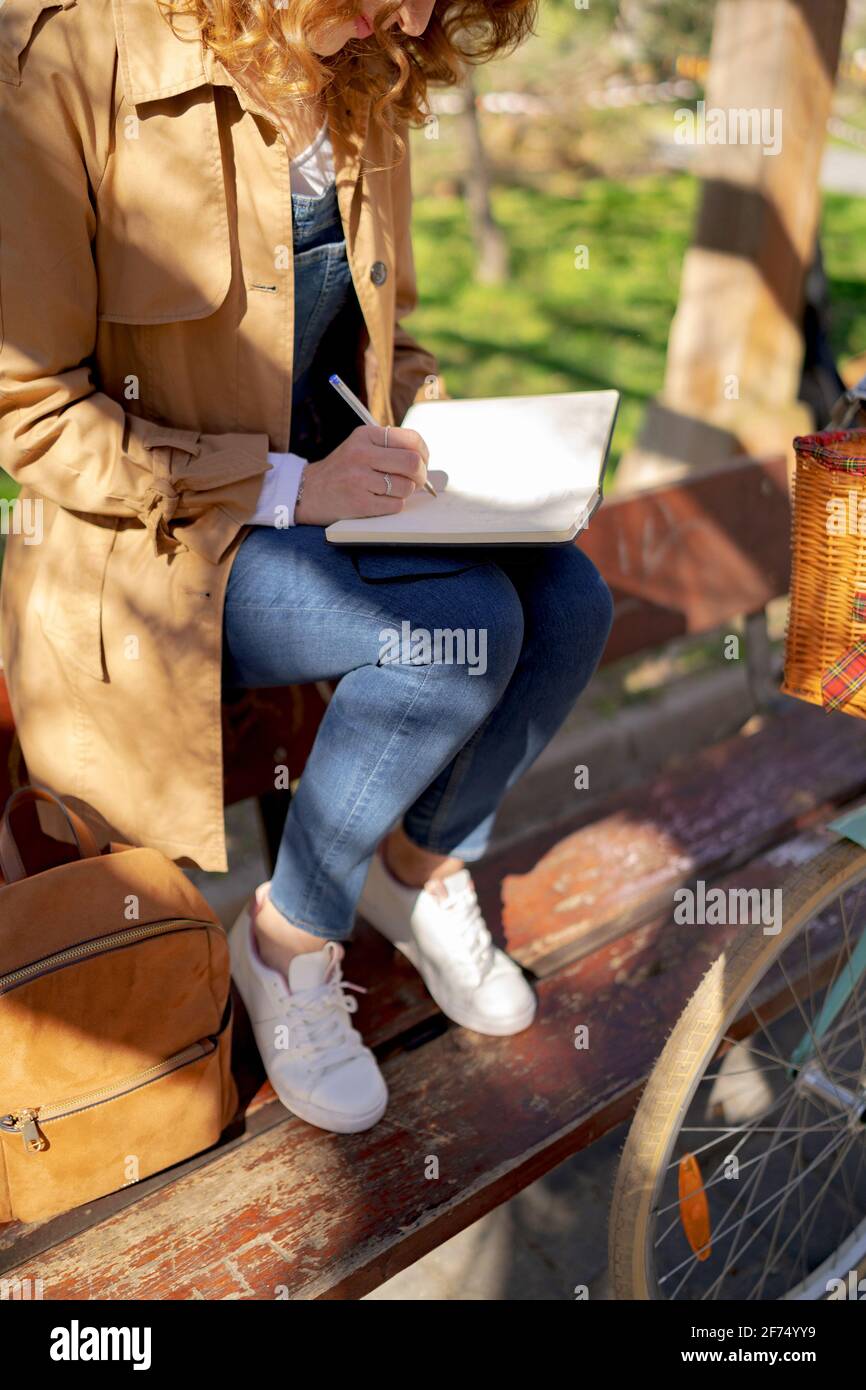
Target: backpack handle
pixel 12 867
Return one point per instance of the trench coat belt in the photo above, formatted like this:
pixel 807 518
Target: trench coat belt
pixel 161 500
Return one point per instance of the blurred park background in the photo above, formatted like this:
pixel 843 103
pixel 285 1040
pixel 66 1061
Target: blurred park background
pixel 570 143
pixel 578 134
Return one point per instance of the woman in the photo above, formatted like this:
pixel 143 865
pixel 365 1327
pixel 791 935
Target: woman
pixel 203 218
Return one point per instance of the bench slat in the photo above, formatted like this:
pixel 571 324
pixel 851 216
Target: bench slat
pixel 690 556
pixel 560 894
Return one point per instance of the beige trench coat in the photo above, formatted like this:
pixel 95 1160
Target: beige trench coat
pixel 146 294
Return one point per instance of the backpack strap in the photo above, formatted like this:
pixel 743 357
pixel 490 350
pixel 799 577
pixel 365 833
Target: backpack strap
pixel 12 867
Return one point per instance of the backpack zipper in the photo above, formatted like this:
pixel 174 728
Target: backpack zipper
pixel 26 1120
pixel 94 948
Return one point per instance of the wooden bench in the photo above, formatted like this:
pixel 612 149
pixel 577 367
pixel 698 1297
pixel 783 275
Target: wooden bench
pixel 280 1209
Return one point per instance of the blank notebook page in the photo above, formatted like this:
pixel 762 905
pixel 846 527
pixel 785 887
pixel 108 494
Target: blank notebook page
pixel 520 469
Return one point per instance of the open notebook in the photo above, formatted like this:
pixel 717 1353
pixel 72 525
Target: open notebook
pixel 519 470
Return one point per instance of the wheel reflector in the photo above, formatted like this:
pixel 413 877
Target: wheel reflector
pixel 694 1207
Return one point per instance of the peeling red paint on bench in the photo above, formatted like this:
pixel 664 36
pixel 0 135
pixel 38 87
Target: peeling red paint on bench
pixel 563 893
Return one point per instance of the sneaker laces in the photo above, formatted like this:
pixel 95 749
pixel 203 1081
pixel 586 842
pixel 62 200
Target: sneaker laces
pixel 319 1014
pixel 467 928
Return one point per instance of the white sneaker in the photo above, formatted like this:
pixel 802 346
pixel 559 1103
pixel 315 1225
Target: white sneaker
pixel 322 1071
pixel 446 939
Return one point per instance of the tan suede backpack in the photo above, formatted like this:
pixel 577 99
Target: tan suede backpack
pixel 115 1016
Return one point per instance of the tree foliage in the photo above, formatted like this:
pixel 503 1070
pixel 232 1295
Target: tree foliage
pixel 652 32
pixel 661 29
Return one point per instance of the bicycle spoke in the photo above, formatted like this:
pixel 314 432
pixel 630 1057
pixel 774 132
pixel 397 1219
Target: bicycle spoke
pixel 820 1159
pixel 740 1194
pixel 713 1180
pixel 717 1179
pixel 747 1071
pixel 782 1205
pixel 840 1158
pixel 857 983
pixel 781 1062
pixel 726 1230
pixel 763 1129
pixel 753 1189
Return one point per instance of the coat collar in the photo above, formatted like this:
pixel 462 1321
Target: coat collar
pixel 156 62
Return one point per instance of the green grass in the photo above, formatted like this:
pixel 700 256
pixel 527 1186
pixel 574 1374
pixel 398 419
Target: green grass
pixel 7 489
pixel 843 232
pixel 555 328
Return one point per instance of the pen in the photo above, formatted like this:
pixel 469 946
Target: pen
pixel 362 412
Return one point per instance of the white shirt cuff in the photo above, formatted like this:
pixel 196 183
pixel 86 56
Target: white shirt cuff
pixel 279 491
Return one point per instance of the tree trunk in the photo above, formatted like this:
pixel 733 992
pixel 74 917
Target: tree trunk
pixel 491 249
pixel 735 353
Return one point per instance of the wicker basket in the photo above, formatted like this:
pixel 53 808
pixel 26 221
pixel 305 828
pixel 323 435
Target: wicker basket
pixel 825 647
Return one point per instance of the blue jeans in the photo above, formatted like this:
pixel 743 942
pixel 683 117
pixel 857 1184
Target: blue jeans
pixel 424 731
pixel 327 320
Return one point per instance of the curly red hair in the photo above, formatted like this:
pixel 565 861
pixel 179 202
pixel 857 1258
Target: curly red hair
pixel 267 42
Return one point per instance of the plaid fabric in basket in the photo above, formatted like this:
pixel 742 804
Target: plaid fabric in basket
pixel 838 451
pixel 845 677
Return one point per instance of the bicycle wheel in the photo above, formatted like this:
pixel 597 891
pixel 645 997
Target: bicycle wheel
pixel 743 1174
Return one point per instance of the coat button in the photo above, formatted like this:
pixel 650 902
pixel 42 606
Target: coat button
pixel 378 272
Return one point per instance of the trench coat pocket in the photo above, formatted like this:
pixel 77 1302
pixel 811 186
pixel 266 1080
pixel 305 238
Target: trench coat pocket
pixel 70 592
pixel 164 255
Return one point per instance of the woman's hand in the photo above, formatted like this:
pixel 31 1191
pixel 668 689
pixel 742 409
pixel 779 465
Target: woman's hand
pixel 350 481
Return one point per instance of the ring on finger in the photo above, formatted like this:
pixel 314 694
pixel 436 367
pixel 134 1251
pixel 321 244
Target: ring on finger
pixel 389 486
pixel 387 432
